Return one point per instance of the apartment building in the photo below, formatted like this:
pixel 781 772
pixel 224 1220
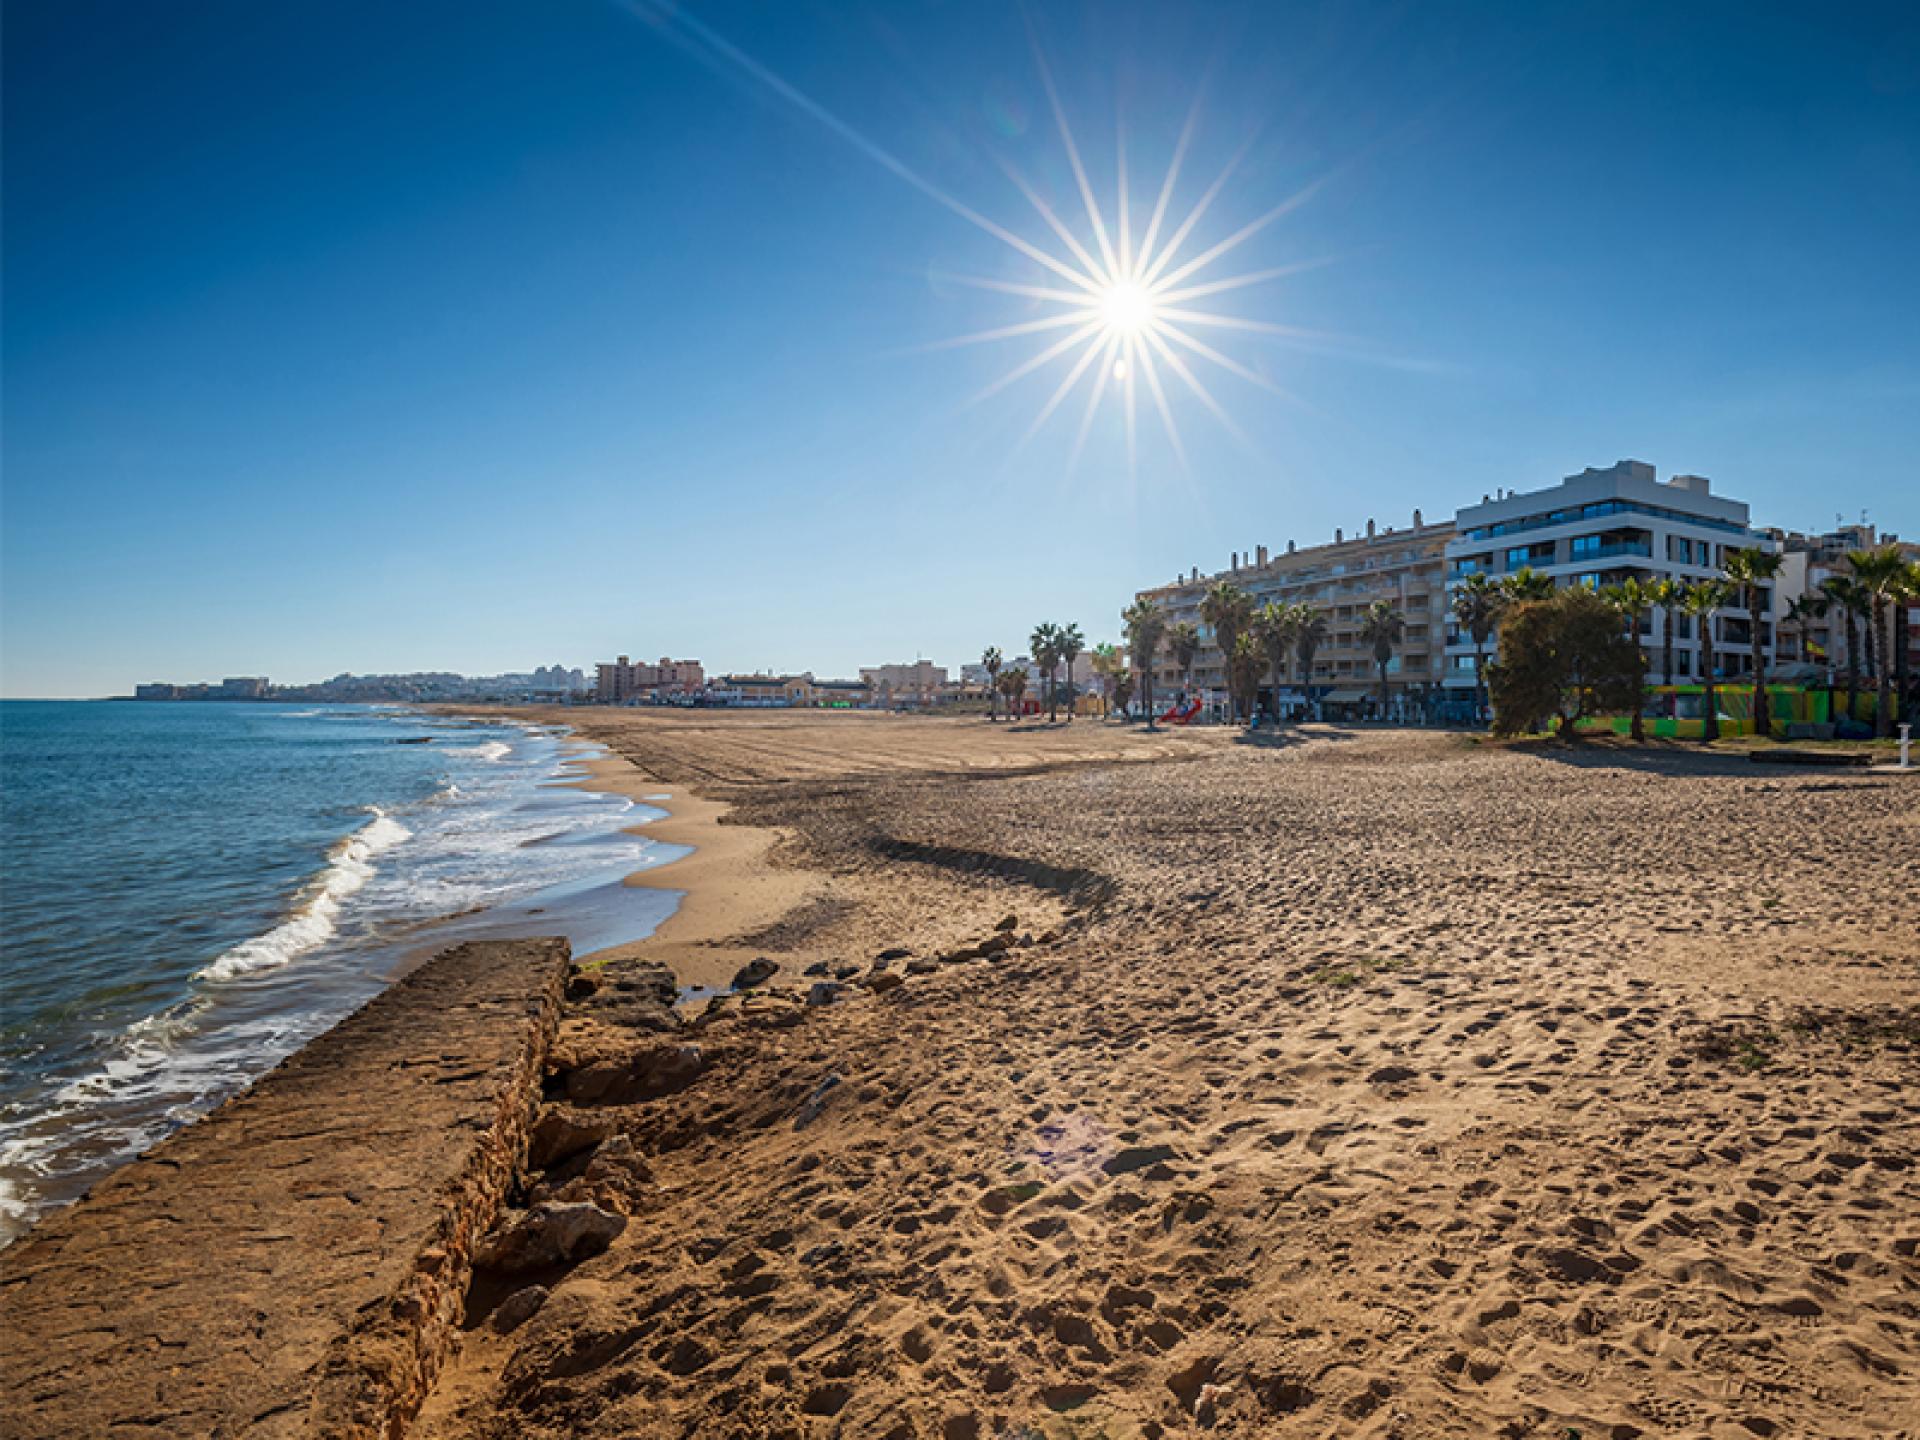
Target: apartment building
pixel 1406 567
pixel 623 681
pixel 1599 527
pixel 921 681
pixel 1815 644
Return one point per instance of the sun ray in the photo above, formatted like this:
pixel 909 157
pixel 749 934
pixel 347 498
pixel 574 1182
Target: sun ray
pixel 1193 383
pixel 1237 282
pixel 1160 404
pixel 1009 332
pixel 1073 154
pixel 1166 186
pixel 1089 357
pixel 1052 352
pixel 1236 322
pixel 1148 275
pixel 1012 287
pixel 1125 225
pixel 1132 407
pixel 1093 405
pixel 1089 280
pixel 1225 362
pixel 1244 233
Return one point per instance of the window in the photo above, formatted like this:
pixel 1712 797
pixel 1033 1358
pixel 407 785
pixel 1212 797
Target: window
pixel 1680 549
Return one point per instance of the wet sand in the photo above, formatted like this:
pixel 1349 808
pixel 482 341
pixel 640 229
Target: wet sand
pixel 1343 1083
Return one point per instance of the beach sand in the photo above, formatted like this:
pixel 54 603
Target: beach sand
pixel 1335 1083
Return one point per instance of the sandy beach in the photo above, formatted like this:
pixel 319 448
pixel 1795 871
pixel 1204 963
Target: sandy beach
pixel 1335 1083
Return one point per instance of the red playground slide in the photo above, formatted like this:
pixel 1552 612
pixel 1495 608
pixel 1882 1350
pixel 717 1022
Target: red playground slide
pixel 1178 716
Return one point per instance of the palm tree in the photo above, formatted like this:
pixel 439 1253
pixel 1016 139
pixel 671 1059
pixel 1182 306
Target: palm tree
pixel 1526 583
pixel 1476 609
pixel 1145 624
pixel 1273 627
pixel 1906 594
pixel 1183 643
pixel 1670 594
pixel 1109 664
pixel 1632 597
pixel 1228 610
pixel 1703 598
pixel 990 662
pixel 1012 684
pixel 1879 573
pixel 1801 613
pixel 1382 627
pixel 1069 642
pixel 1309 632
pixel 1045 645
pixel 1845 591
pixel 1750 569
pixel 1244 663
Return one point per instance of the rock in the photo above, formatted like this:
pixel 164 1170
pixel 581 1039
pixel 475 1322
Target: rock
pixel 898 952
pixel 819 967
pixel 551 1234
pixel 1206 1407
pixel 518 1308
pixel 996 945
pixel 826 992
pixel 811 1107
pixel 845 971
pixel 883 982
pixel 964 953
pixel 1012 922
pixel 922 966
pixel 562 1131
pixel 614 1179
pixel 1137 1157
pixel 1390 1075
pixel 1050 937
pixel 755 972
pixel 632 995
pixel 580 986
pixel 643 1074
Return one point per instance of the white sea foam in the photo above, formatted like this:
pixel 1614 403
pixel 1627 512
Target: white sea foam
pixel 349 866
pixel 487 750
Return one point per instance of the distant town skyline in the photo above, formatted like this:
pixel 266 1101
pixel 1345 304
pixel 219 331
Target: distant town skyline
pixel 388 340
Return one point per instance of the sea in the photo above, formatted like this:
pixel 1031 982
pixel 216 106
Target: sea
pixel 191 891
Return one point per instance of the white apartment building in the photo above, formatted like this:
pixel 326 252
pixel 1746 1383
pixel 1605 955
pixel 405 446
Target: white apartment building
pixel 1597 528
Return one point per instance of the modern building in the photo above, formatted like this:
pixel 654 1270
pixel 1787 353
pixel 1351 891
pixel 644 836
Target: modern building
pixel 1405 567
pixel 623 681
pixel 1814 642
pixel 1599 527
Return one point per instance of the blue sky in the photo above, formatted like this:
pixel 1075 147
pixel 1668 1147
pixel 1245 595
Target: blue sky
pixel 481 336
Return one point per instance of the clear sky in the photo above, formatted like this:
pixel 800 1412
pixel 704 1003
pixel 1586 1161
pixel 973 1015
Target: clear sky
pixel 479 336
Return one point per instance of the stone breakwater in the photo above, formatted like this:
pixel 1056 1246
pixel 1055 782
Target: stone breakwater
pixel 297 1263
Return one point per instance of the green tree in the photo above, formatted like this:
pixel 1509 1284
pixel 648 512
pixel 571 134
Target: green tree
pixel 1381 627
pixel 1476 609
pixel 1012 684
pixel 1123 687
pixel 1108 664
pixel 1670 594
pixel 1273 627
pixel 1310 631
pixel 1565 656
pixel 1526 583
pixel 1879 573
pixel 1227 610
pixel 1844 591
pixel 1070 643
pixel 1146 625
pixel 1802 611
pixel 1044 643
pixel 1750 570
pixel 991 662
pixel 1632 597
pixel 1703 598
pixel 1244 666
pixel 1183 643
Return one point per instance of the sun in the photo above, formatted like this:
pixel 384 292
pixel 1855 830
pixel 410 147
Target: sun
pixel 1126 309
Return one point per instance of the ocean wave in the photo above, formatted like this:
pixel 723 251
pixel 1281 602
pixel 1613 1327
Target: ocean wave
pixel 349 866
pixel 488 750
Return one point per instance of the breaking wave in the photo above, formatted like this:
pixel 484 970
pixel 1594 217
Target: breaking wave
pixel 314 918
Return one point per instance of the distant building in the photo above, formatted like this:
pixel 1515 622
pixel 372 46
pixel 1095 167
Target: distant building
pixel 780 690
pixel 841 694
pixel 623 681
pixel 1405 567
pixel 159 690
pixel 1601 526
pixel 919 682
pixel 243 687
pixel 1815 644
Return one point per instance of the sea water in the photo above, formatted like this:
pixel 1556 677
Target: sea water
pixel 190 891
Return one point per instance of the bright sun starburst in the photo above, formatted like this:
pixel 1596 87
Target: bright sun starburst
pixel 1125 305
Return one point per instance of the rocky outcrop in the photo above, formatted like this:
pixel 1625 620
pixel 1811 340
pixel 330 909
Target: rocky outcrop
pixel 295 1264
